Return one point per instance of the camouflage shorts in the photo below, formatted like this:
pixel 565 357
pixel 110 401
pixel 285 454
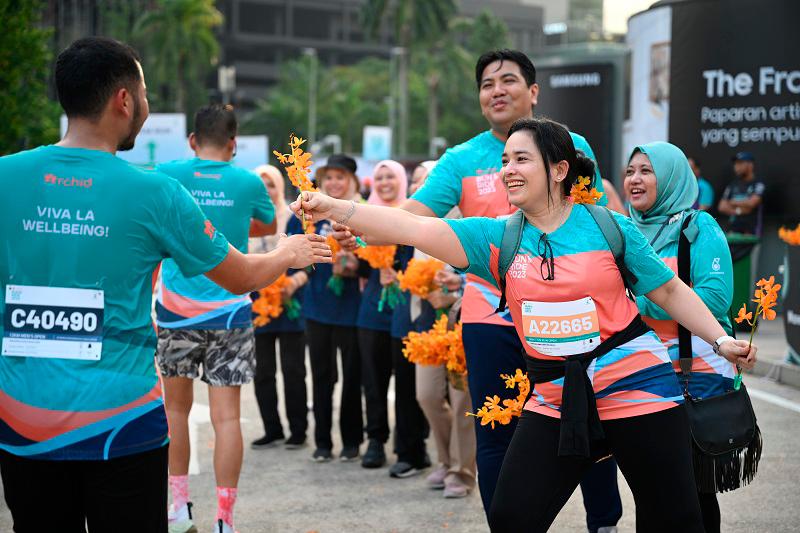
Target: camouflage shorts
pixel 227 355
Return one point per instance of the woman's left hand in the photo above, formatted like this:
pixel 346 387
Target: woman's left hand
pixel 739 352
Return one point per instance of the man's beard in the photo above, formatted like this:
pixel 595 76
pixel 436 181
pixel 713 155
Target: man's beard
pixel 136 126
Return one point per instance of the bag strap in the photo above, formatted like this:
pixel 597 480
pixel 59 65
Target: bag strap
pixel 509 246
pixel 611 231
pixel 685 275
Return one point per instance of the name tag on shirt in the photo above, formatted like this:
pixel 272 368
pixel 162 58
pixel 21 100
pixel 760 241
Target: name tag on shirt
pixel 53 322
pixel 560 329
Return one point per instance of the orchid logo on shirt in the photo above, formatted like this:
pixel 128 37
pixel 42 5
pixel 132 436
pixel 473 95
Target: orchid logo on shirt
pixel 715 264
pixel 52 179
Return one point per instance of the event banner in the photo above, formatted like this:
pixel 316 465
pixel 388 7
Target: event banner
pixel 579 96
pixel 735 86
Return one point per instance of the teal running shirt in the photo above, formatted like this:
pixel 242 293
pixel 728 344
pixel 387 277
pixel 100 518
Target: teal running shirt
pixel 82 233
pixel 230 197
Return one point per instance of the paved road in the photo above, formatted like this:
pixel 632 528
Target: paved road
pixel 283 491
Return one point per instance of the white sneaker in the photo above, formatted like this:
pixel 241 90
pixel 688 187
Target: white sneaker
pixel 223 527
pixel 180 519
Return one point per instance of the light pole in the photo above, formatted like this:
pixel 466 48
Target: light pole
pixel 226 80
pixel 311 53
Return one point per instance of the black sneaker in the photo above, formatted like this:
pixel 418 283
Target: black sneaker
pixel 402 469
pixel 375 456
pixel 267 441
pixel 349 454
pixel 322 455
pixel 295 442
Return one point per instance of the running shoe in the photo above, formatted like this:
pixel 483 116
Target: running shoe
pixel 375 457
pixel 267 441
pixel 322 455
pixel 454 488
pixel 295 442
pixel 402 469
pixel 435 479
pixel 349 454
pixel 180 520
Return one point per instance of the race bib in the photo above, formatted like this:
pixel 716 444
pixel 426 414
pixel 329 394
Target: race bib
pixel 53 322
pixel 559 329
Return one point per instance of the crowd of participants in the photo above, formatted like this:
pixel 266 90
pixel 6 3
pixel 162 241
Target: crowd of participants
pixel 88 432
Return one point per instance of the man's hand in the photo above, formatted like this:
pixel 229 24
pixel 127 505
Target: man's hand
pixel 739 353
pixel 439 300
pixel 448 279
pixel 305 250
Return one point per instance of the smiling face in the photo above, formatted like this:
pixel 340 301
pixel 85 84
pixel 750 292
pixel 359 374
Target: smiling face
pixel 524 174
pixel 418 178
pixel 505 96
pixel 386 184
pixel 337 183
pixel 641 186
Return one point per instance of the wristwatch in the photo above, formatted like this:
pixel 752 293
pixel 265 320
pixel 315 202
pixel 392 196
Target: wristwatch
pixel 718 342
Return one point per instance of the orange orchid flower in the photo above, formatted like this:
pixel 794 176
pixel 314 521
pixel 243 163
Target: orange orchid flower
pixel 744 315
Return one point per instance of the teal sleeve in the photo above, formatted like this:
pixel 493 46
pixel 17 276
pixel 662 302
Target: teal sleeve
pixel 187 237
pixel 711 272
pixel 582 144
pixel 641 259
pixel 263 208
pixel 477 236
pixel 441 192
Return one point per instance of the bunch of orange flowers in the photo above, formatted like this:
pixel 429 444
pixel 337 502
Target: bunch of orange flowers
pixel 418 276
pixel 378 256
pixel 494 412
pixel 298 168
pixel 765 298
pixel 581 194
pixel 437 346
pixel 790 236
pixel 269 303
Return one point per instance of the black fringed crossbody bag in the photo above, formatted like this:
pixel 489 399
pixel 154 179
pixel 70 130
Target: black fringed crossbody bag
pixel 726 440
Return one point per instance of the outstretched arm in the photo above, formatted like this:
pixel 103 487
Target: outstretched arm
pixel 431 235
pixel 688 309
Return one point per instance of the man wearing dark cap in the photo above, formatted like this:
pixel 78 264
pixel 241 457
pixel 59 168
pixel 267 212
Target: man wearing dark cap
pixel 742 199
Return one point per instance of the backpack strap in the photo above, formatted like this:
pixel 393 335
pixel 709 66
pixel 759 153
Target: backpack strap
pixel 509 246
pixel 615 239
pixel 685 275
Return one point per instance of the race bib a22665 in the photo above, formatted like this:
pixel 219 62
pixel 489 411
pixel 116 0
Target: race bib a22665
pixel 53 322
pixel 560 329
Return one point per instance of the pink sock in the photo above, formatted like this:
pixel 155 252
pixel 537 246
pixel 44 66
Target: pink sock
pixel 226 498
pixel 179 486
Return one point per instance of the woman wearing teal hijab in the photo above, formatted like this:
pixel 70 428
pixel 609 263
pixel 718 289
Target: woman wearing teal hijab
pixel 661 188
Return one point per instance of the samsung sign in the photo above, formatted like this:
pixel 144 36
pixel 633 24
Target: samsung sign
pixel 582 79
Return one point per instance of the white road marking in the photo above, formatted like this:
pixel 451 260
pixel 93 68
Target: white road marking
pixel 774 399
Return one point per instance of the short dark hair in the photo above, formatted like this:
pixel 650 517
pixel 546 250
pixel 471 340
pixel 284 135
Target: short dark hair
pixel 90 71
pixel 215 124
pixel 524 63
pixel 555 144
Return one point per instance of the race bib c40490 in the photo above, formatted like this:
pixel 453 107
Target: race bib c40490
pixel 53 322
pixel 560 329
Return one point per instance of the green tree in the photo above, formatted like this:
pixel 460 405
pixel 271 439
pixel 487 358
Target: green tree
pixel 413 22
pixel 180 48
pixel 27 116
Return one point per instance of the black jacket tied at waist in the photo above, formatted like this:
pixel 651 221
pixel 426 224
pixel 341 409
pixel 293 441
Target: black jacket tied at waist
pixel 580 422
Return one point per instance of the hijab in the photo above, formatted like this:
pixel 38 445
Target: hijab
pixel 282 212
pixel 676 192
pixel 402 183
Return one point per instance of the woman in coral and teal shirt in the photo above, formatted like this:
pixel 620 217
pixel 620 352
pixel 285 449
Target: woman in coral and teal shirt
pixel 566 297
pixel 662 188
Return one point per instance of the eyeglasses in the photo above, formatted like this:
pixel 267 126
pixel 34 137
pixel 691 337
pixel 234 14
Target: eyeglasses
pixel 548 267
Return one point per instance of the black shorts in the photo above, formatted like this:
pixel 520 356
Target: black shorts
pixel 125 494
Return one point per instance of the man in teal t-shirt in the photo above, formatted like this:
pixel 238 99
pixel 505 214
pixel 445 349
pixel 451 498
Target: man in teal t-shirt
pixel 705 192
pixel 201 323
pixel 83 432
